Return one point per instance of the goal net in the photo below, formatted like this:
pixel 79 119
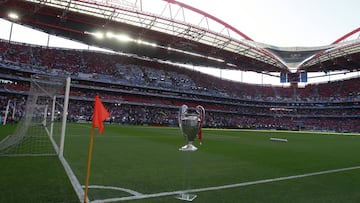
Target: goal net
pixel 41 130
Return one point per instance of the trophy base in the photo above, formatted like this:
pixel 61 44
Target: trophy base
pixel 188 147
pixel 186 197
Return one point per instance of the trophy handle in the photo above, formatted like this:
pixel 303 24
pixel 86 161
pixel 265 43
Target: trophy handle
pixel 201 111
pixel 182 112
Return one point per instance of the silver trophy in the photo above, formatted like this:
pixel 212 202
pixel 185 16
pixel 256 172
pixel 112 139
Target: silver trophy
pixel 190 123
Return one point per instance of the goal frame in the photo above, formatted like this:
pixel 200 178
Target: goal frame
pixel 46 109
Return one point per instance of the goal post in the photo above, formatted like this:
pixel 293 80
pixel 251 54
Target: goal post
pixel 64 117
pixel 41 130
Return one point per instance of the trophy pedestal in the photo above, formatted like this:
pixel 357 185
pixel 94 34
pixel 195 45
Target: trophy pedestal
pixel 186 197
pixel 188 147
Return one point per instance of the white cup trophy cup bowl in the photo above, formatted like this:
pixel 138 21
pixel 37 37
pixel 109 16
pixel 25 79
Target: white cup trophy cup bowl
pixel 190 123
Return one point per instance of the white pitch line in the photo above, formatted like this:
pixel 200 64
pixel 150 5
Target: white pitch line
pixel 143 196
pixel 133 192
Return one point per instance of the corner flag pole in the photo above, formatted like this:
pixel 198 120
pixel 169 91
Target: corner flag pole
pixel 89 163
pixel 99 116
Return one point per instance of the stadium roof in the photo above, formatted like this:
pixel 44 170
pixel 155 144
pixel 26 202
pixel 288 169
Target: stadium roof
pixel 129 29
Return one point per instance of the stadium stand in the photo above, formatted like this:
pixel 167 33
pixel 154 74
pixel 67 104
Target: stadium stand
pixel 148 92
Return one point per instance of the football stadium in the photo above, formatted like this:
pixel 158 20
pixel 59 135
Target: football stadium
pixel 130 118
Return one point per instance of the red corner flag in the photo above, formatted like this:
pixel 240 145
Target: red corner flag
pixel 100 114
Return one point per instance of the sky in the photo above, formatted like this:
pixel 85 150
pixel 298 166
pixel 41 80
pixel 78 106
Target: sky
pixel 282 23
pixel 287 22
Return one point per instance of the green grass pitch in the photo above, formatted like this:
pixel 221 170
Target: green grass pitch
pixel 147 160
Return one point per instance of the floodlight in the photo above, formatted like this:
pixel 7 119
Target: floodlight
pixel 139 41
pixel 98 35
pixel 150 44
pixel 110 35
pixel 123 38
pixel 13 16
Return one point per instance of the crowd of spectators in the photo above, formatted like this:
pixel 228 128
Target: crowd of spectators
pixel 143 91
